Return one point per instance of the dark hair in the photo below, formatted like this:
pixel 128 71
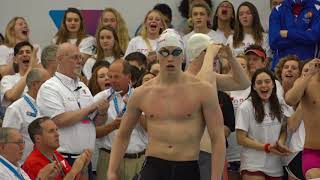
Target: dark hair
pixel 139 83
pixel 257 104
pixel 93 84
pixel 19 45
pixel 35 128
pixel 16 50
pixel 164 9
pixel 238 35
pixel 1 38
pixel 184 7
pixel 62 35
pixel 137 56
pixel 215 17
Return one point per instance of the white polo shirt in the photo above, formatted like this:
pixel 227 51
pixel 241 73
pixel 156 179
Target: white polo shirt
pixel 265 132
pixel 138 140
pixel 7 82
pixel 247 41
pixel 7 174
pixel 87 68
pixel 138 44
pixel 56 96
pixel 19 115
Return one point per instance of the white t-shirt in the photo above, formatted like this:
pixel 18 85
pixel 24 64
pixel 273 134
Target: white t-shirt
pixel 56 96
pixel 138 44
pixel 247 41
pixel 296 142
pixel 234 149
pixel 87 68
pixel 7 82
pixel 138 139
pixel 18 115
pixel 87 45
pixel 265 132
pixel 6 54
pixel 7 174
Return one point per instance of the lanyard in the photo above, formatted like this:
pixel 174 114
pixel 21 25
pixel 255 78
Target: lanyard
pixel 116 104
pixel 33 107
pixel 71 90
pixel 12 169
pixel 58 162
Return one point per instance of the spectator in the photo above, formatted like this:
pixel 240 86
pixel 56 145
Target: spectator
pixel 294 29
pixel 108 49
pixel 17 30
pixel 259 121
pixel 223 21
pixel 111 17
pixel 48 58
pixel 99 80
pixel 137 59
pixel 72 30
pixel 23 111
pixel 248 30
pixel 145 43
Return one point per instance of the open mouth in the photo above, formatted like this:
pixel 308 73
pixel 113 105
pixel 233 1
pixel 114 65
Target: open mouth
pixel 264 92
pixel 170 66
pixel 224 12
pixel 25 32
pixel 289 76
pixel 107 85
pixel 26 61
pixel 153 26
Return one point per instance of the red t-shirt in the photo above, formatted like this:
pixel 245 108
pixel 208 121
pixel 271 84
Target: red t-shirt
pixel 36 161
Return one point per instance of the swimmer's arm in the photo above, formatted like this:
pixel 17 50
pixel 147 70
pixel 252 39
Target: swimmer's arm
pixel 121 140
pixel 294 95
pixel 214 121
pixel 238 80
pixel 295 120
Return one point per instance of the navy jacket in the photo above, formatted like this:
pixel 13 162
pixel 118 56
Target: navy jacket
pixel 303 30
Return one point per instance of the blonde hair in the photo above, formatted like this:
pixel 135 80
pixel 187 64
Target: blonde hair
pixel 116 50
pixel 121 29
pixel 10 37
pixel 63 34
pixel 144 32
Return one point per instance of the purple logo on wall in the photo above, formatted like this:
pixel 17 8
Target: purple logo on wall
pixel 90 19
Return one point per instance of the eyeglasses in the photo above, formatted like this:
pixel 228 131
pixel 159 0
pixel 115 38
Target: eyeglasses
pixel 165 52
pixel 22 142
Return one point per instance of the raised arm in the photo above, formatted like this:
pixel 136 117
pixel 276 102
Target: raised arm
pixel 214 121
pixel 294 95
pixel 121 140
pixel 238 80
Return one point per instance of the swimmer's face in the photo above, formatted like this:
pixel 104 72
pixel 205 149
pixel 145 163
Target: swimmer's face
pixel 170 58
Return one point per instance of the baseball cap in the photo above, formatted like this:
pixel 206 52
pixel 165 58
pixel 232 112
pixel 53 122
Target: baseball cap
pixel 257 52
pixel 170 37
pixel 196 44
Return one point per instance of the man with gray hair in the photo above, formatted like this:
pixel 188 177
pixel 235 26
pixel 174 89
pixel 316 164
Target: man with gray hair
pixel 23 111
pixel 48 58
pixel 11 147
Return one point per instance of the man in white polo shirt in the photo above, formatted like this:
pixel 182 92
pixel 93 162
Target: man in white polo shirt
pixel 11 148
pixel 23 111
pixel 69 103
pixel 120 75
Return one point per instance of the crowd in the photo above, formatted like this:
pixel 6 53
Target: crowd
pixel 216 97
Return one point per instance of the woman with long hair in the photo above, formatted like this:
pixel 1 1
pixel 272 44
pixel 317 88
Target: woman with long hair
pixel 112 17
pixel 248 30
pixel 146 42
pixel 72 30
pixel 260 121
pixel 224 20
pixel 99 80
pixel 17 31
pixel 108 49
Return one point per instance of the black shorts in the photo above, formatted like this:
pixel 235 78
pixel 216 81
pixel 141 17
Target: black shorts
pixel 159 169
pixel 294 168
